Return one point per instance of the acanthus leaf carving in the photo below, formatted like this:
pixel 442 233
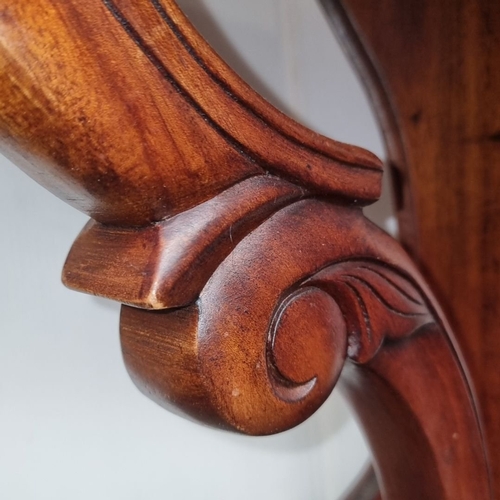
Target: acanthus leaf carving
pixel 378 303
pixel 282 312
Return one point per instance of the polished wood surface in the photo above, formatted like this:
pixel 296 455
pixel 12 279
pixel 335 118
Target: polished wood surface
pixel 252 281
pixel 433 70
pixel 131 136
pixel 264 345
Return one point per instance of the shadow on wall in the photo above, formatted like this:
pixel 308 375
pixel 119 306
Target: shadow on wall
pixel 206 23
pixel 382 212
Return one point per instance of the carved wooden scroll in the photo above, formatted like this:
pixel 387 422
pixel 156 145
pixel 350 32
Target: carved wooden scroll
pixel 252 281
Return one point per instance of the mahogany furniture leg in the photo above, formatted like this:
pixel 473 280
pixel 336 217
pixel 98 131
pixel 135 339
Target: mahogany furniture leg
pixel 433 72
pixel 251 281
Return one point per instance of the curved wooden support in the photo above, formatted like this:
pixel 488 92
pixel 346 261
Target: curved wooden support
pixel 433 73
pixel 129 116
pixel 237 236
pixel 265 343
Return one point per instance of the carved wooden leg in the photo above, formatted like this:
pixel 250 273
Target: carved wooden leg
pixel 235 236
pixel 433 73
pixel 267 339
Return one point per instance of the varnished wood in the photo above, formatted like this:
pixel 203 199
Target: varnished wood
pixel 156 134
pixel 243 230
pixel 433 69
pixel 166 264
pixel 276 316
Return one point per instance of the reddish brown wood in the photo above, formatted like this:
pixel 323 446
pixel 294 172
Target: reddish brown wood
pixel 264 345
pixel 433 71
pixel 243 230
pixel 128 135
pixel 155 267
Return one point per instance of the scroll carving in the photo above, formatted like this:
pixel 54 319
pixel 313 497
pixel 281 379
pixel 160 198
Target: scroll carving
pixel 378 303
pixel 309 255
pixel 314 293
pixel 253 283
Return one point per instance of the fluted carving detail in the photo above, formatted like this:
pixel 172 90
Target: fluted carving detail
pixel 282 311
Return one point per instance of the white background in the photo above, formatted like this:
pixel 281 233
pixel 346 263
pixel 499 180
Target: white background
pixel 72 424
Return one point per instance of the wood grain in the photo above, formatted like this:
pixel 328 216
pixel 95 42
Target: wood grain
pixel 284 316
pixel 155 135
pixel 244 230
pixel 166 264
pixel 433 71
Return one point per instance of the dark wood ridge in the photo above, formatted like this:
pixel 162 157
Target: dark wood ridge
pixel 166 265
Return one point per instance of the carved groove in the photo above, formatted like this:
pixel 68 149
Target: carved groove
pixel 320 178
pixel 149 53
pixel 377 294
pixel 395 285
pixel 285 388
pixel 172 26
pixel 365 319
